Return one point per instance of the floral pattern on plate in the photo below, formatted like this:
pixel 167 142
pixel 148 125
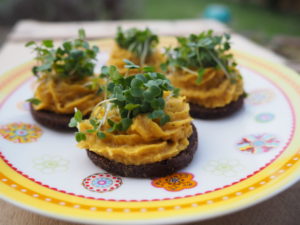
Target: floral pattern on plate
pixel 51 164
pixel 260 96
pixel 258 143
pixel 175 182
pixel 264 117
pixel 20 132
pixel 224 167
pixel 101 182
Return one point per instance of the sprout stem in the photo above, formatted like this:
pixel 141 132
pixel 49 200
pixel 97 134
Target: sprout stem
pixel 229 76
pixel 189 70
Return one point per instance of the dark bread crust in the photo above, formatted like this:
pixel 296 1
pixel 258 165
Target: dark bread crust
pixel 157 169
pixel 52 120
pixel 200 112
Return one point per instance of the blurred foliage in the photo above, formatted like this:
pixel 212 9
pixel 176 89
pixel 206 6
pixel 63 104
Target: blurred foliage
pixel 246 15
pixel 60 10
pixel 265 17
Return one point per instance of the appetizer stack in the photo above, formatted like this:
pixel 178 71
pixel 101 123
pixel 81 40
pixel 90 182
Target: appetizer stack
pixel 206 74
pixel 142 129
pixel 65 80
pixel 138 46
pixel 131 119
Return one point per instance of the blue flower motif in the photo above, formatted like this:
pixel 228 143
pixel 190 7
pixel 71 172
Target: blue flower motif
pixel 101 182
pixel 264 117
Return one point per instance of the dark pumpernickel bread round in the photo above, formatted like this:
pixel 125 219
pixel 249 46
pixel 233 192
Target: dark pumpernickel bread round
pixel 157 169
pixel 200 112
pixel 52 120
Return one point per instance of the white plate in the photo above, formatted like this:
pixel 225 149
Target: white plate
pixel 240 160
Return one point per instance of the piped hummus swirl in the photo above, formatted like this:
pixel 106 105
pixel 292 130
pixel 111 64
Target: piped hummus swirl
pixel 118 54
pixel 215 90
pixel 61 96
pixel 145 141
pixel 65 75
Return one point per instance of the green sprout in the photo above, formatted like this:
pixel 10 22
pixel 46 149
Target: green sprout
pixel 74 59
pixel 131 96
pixel 34 101
pixel 199 52
pixel 139 42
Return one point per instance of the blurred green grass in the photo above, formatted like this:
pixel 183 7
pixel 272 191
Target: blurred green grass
pixel 246 17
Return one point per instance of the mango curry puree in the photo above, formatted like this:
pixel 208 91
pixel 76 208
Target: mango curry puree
pixel 145 141
pixel 215 90
pixel 118 54
pixel 61 96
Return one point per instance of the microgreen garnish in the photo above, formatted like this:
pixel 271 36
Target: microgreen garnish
pixel 79 136
pixel 130 96
pixel 139 42
pixel 76 119
pixel 200 75
pixel 130 65
pixel 198 52
pixel 34 101
pixel 74 59
pixel 245 94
